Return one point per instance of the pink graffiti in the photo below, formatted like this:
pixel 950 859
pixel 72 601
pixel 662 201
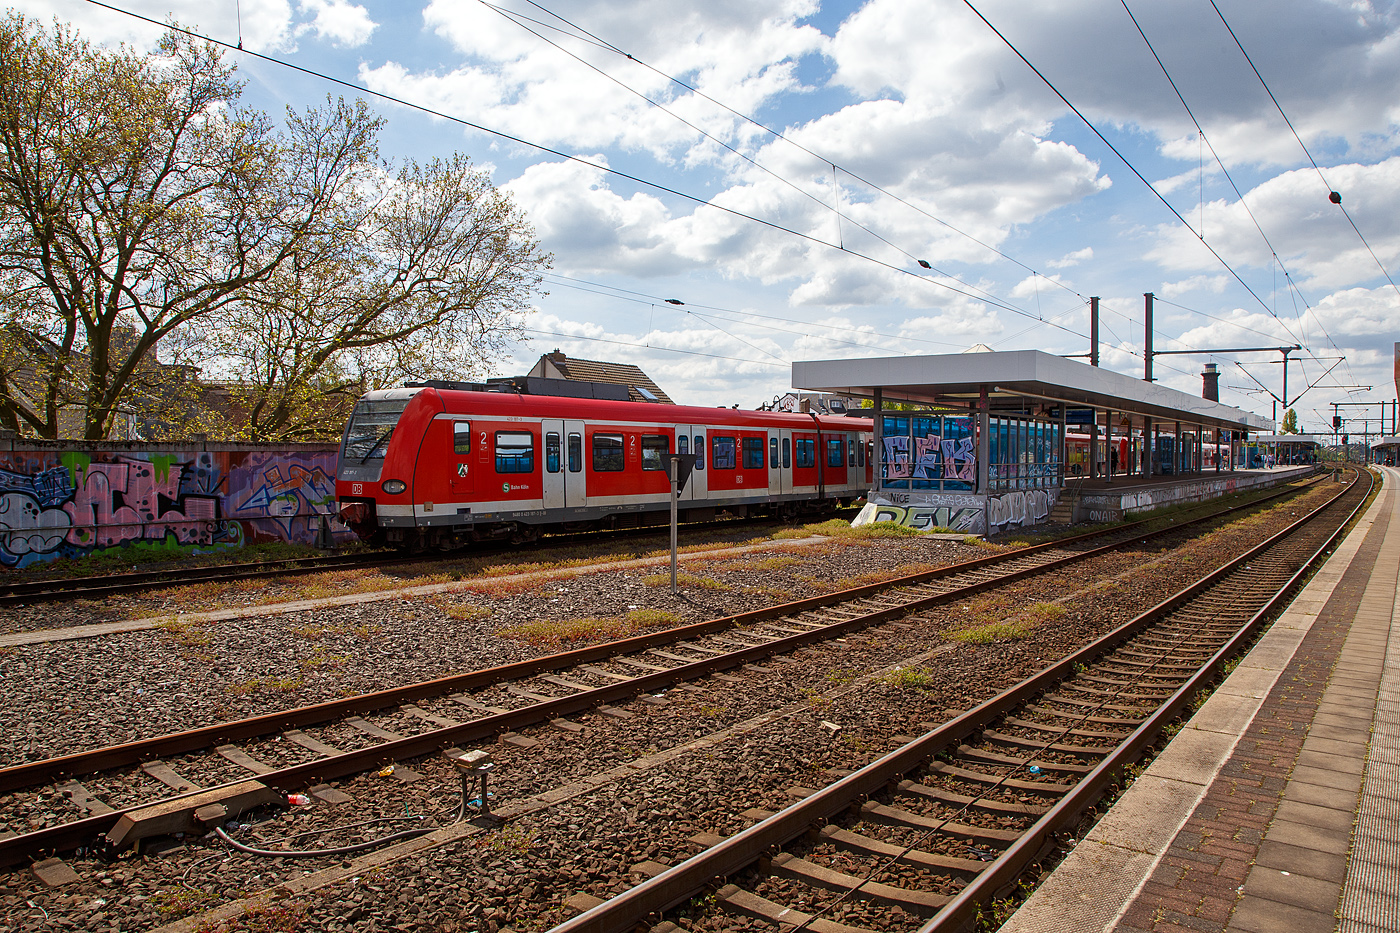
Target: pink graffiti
pixel 960 461
pixel 123 501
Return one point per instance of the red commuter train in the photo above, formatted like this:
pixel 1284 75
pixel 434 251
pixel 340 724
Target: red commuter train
pixel 438 465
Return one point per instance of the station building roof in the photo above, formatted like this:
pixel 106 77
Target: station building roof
pixel 1388 442
pixel 1300 439
pixel 956 379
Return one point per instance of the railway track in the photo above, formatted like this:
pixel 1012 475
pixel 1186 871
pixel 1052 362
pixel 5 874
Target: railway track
pixel 116 584
pixel 937 829
pixel 304 747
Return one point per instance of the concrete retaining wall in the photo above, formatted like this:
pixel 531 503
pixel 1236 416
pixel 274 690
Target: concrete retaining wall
pixel 1112 505
pixel 74 498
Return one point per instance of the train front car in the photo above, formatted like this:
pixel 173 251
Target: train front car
pixel 373 480
pixel 443 465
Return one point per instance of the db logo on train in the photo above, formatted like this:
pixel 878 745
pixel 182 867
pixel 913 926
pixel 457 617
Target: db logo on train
pixel 357 489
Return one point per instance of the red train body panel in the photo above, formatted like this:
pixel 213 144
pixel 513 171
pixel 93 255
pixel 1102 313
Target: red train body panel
pixel 437 466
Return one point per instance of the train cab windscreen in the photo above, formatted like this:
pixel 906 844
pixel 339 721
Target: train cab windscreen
pixel 371 426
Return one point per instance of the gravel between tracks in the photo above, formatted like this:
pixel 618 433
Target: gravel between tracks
pixel 518 877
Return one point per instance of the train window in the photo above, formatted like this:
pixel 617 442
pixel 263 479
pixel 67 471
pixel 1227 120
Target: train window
pixel 833 451
pixel 515 452
pixel 371 424
pixel 682 443
pixel 806 452
pixel 551 452
pixel 772 453
pixel 851 452
pixel 461 438
pixel 575 453
pixel 655 447
pixel 753 453
pixel 722 457
pixel 860 449
pixel 699 451
pixel 787 453
pixel 607 453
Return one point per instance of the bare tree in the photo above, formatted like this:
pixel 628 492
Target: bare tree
pixel 135 201
pixel 429 274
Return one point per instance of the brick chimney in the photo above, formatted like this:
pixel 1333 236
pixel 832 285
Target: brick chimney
pixel 1210 383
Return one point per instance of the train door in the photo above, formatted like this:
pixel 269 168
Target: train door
pixel 779 461
pixel 460 471
pixel 690 439
pixel 563 464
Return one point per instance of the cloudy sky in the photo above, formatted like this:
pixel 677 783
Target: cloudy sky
pixel 785 167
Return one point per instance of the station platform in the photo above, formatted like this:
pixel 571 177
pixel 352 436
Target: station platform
pixel 1103 500
pixel 1277 806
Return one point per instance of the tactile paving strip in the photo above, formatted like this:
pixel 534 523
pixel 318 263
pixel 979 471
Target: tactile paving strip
pixel 1369 901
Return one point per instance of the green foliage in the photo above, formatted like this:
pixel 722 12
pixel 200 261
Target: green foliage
pixel 150 229
pixel 909 678
pixel 1290 422
pixel 840 528
pixel 567 633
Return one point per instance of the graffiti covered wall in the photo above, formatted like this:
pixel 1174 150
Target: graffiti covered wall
pixel 960 512
pixel 70 500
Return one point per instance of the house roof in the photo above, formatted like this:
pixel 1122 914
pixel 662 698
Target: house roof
pixel 557 365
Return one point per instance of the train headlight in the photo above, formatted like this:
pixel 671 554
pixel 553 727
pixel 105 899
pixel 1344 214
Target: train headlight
pixel 393 486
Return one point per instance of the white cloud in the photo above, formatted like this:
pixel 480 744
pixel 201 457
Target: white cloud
pixel 1317 243
pixel 590 227
pixel 1070 260
pixel 742 53
pixel 266 24
pixel 345 24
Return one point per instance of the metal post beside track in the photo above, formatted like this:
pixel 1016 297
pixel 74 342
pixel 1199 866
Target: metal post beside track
pixel 678 467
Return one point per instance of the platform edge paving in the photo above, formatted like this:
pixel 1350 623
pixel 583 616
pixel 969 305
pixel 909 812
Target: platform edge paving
pixel 1059 903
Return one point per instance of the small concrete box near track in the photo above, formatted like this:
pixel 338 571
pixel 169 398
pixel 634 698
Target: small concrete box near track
pixel 191 814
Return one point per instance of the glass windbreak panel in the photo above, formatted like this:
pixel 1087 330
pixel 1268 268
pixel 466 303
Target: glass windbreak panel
pixel 753 453
pixel 655 447
pixel 834 449
pixel 607 453
pixel 371 426
pixel 722 457
pixel 575 453
pixel 461 438
pixel 806 451
pixel 551 452
pixel 927 444
pixel 787 453
pixel 515 452
pixel 896 461
pixel 699 451
pixel 959 454
pixel 772 453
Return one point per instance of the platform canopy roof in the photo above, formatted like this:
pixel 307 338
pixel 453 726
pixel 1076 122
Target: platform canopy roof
pixel 956 379
pixel 1388 442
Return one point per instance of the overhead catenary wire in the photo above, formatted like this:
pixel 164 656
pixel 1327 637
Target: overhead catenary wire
pixel 993 302
pixel 598 288
pixel 341 82
pixel 578 32
pixel 1201 135
pixel 840 244
pixel 584 35
pixel 625 343
pixel 1115 150
pixel 1333 196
